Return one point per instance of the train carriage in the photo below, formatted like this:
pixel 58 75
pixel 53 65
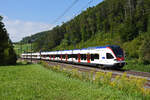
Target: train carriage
pixel 107 56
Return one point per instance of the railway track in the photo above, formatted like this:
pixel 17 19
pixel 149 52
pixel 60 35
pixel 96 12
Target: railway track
pixel 115 73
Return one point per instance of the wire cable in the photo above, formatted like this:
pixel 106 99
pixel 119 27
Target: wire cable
pixel 62 15
pixel 85 6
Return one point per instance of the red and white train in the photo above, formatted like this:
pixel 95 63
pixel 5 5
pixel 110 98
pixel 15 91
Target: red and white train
pixel 106 56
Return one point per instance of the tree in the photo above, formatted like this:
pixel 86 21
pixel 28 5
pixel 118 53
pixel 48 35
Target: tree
pixel 144 51
pixel 7 54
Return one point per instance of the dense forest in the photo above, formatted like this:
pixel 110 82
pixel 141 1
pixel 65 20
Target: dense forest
pixel 7 53
pixel 112 22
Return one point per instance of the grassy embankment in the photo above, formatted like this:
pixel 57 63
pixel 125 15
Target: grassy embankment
pixel 134 65
pixel 34 82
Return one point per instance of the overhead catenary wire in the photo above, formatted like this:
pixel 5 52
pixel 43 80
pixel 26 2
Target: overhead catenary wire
pixel 74 15
pixel 62 15
pixel 85 6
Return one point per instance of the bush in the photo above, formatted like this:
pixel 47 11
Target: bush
pixel 132 48
pixel 144 51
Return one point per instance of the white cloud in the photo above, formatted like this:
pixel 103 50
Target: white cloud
pixel 18 29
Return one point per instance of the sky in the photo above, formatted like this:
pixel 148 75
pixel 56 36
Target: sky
pixel 27 17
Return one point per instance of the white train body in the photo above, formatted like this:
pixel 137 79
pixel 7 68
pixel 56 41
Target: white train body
pixel 108 56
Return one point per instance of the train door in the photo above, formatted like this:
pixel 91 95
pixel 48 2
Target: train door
pixel 72 57
pixel 49 57
pixel 53 57
pixel 79 58
pixel 88 58
pixel 109 58
pixel 66 57
pixel 102 58
pixel 61 57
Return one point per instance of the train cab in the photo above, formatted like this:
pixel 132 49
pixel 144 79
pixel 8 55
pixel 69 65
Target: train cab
pixel 115 56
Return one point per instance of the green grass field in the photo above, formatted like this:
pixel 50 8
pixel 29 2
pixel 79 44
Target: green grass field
pixel 34 82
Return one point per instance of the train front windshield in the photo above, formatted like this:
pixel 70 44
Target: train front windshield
pixel 118 51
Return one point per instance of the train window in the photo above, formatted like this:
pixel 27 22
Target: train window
pixel 92 57
pixel 63 56
pixel 76 56
pixel 69 56
pixel 72 56
pixel 81 55
pixel 44 56
pixel 96 56
pixel 84 56
pixel 109 56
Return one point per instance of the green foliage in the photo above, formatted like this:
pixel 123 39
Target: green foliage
pixel 21 48
pixel 135 64
pixel 128 31
pixel 7 54
pixel 148 26
pixel 144 50
pixel 132 48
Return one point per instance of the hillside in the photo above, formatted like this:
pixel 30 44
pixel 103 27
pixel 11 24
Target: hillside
pixel 122 22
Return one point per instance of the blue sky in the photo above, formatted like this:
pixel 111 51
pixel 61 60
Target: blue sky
pixel 25 17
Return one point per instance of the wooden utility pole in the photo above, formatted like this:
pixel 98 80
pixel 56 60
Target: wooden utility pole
pixel 31 51
pixel 20 48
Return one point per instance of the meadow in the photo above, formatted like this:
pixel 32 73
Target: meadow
pixel 34 82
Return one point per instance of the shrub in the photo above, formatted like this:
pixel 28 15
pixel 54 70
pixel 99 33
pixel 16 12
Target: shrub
pixel 124 83
pixel 144 51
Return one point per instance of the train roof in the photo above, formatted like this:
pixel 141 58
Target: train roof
pixel 100 47
pixel 89 48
